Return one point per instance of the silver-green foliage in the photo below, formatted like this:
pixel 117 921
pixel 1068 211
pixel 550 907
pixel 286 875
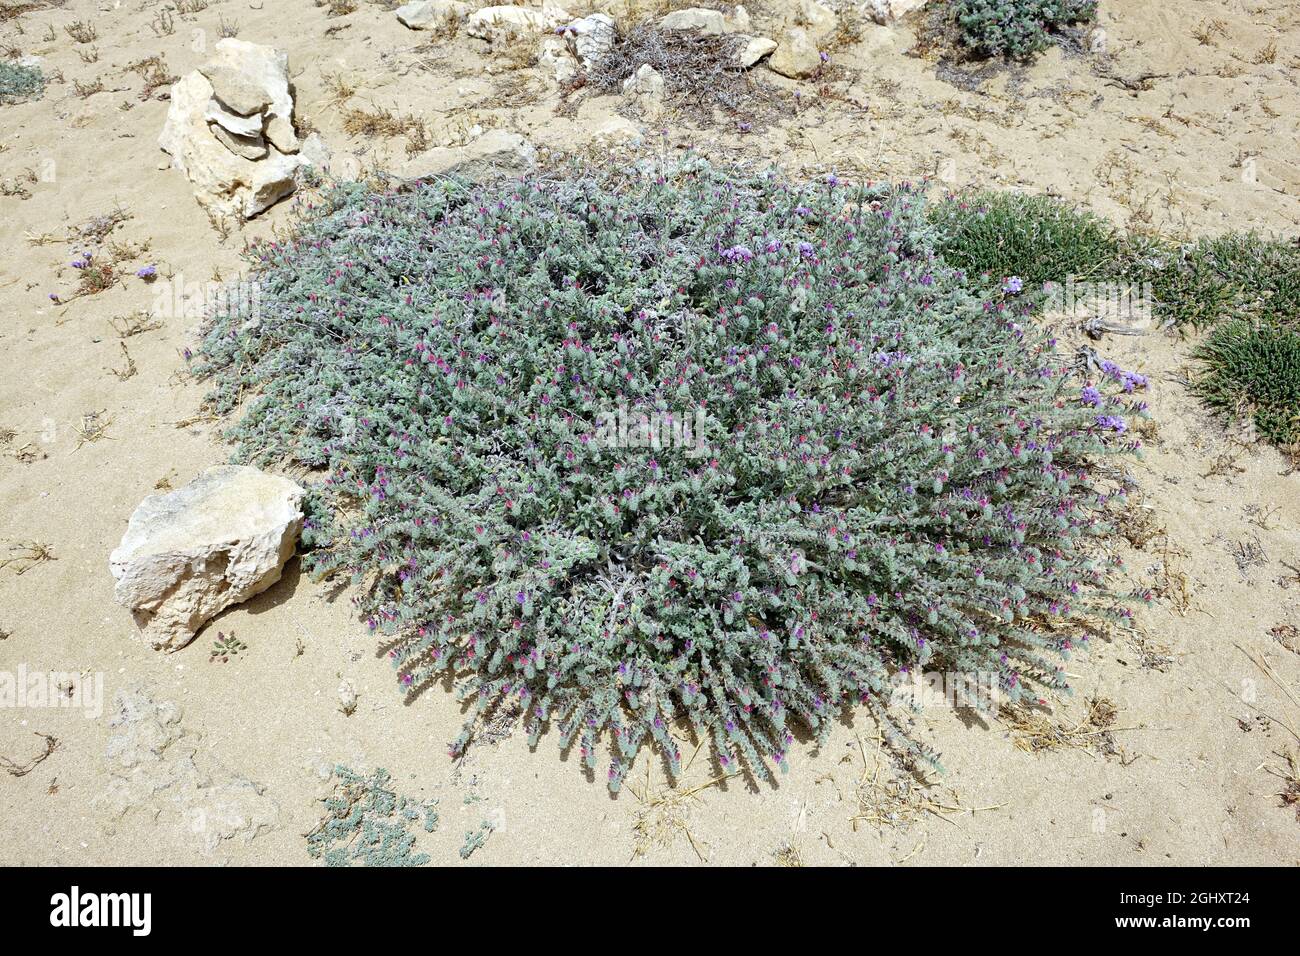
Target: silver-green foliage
pixel 368 823
pixel 18 82
pixel 899 473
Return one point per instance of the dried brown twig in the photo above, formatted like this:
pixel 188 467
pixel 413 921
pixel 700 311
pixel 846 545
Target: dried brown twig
pixel 22 770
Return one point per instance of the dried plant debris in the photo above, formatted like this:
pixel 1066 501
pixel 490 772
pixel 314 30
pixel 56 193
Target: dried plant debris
pixel 1288 635
pixel 17 769
pixel 701 73
pixel 24 555
pixel 1036 731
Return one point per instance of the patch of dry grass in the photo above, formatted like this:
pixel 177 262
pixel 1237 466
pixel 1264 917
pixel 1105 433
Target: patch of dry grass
pixel 25 555
pixel 665 811
pixel 1289 773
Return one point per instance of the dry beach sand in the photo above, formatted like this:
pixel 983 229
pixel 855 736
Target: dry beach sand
pixel 1187 122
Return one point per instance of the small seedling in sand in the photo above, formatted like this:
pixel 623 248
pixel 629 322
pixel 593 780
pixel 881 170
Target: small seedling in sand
pixel 787 855
pixel 129 369
pixel 338 88
pixel 225 647
pixel 1288 635
pixel 97 228
pixel 228 28
pixel 93 427
pixel 1289 774
pixel 475 839
pixel 164 24
pixel 25 555
pixel 153 71
pixel 82 32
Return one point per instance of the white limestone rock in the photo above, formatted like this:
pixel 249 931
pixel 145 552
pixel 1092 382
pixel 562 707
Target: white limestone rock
pixel 191 553
pixel 891 11
pixel 235 175
pixel 504 23
pixel 706 21
pixel 249 78
pixel 593 36
pixel 796 56
pixel 431 14
pixel 755 49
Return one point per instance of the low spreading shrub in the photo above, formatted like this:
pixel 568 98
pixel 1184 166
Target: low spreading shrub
pixel 18 82
pixel 1017 28
pixel 685 447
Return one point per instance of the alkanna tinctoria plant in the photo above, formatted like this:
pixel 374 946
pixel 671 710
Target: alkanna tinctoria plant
pixel 895 471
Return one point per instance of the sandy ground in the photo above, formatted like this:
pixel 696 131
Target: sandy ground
pixel 1203 694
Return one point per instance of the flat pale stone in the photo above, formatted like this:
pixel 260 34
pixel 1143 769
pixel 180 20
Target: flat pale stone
pixel 249 78
pixel 431 14
pixel 190 553
pixel 754 50
pixel 496 152
pixel 796 56
pixel 710 22
pixel 233 122
pixel 495 24
pixel 245 147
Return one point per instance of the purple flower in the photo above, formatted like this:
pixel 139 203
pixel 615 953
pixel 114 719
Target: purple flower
pixel 1112 422
pixel 1090 396
pixel 1014 285
pixel 737 253
pixel 1132 380
pixel 148 273
pixel 806 250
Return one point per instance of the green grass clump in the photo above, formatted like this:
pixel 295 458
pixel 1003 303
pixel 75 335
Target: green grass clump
pixel 1017 29
pixel 1038 238
pixel 18 82
pixel 1245 286
pixel 1235 275
pixel 1254 369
